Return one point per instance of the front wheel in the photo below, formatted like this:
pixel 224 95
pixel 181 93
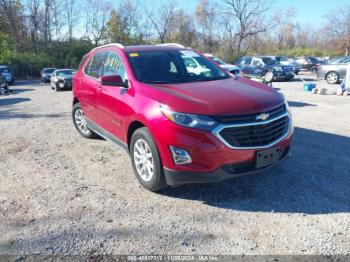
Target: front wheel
pixel 332 78
pixel 80 123
pixel 146 161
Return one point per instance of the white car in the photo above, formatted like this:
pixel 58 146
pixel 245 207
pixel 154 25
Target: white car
pixel 193 66
pixel 229 67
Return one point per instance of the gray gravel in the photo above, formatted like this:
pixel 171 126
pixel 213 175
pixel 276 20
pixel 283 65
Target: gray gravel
pixel 63 194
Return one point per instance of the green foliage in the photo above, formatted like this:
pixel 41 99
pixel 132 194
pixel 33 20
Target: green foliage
pixel 29 64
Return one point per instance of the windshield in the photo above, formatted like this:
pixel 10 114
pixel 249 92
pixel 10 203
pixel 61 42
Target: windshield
pixel 65 73
pixel 4 70
pixel 218 60
pixel 173 66
pixel 282 58
pixel 269 61
pixel 49 71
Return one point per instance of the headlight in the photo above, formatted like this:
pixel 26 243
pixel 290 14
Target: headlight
pixel 189 120
pixel 278 68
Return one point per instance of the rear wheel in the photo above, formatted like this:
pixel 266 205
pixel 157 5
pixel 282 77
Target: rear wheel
pixel 332 78
pixel 80 123
pixel 146 161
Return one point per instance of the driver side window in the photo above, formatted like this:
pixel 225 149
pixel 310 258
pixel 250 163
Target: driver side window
pixel 114 66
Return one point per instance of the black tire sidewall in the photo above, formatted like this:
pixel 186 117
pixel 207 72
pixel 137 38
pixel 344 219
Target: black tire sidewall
pixel 75 108
pixel 157 181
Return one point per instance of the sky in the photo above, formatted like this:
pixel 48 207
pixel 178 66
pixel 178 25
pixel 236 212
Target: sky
pixel 311 12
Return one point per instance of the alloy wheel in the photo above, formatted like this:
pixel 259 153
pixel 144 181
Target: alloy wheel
pixel 80 120
pixel 143 160
pixel 332 78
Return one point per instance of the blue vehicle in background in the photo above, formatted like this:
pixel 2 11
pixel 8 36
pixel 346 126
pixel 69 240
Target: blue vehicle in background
pixel 7 74
pixel 265 67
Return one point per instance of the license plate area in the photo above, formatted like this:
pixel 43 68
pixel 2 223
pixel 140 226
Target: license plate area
pixel 267 157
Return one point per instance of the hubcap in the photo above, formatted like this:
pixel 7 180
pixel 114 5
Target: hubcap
pixel 143 160
pixel 80 120
pixel 332 78
pixel 268 76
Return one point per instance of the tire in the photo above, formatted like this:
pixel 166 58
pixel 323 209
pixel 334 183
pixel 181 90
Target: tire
pixel 81 126
pixel 147 156
pixel 332 78
pixel 268 76
pixel 57 87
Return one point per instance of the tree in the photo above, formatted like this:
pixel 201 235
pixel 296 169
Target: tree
pixel 163 20
pixel 248 14
pixel 71 14
pixel 338 27
pixel 206 17
pixel 12 11
pixel 96 13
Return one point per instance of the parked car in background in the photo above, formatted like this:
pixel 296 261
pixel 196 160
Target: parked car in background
pixel 229 67
pixel 7 73
pixel 193 66
pixel 333 72
pixel 46 74
pixel 177 126
pixel 3 85
pixel 309 63
pixel 265 66
pixel 289 62
pixel 62 79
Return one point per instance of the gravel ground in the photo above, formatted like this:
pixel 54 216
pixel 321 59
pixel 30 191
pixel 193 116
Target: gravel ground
pixel 63 194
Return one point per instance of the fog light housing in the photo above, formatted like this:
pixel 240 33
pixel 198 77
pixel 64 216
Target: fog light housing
pixel 180 156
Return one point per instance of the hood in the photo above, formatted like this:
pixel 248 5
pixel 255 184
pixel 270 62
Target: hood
pixel 222 97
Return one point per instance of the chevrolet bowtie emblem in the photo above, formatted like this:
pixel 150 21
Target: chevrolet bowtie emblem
pixel 262 116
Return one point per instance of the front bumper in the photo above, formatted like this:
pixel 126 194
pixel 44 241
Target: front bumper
pixel 281 76
pixel 177 178
pixel 66 84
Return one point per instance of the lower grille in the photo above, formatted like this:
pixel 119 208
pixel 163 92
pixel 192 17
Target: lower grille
pixel 256 135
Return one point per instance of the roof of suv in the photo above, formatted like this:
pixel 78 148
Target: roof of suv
pixel 136 48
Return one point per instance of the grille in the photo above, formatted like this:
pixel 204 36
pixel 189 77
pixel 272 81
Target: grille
pixel 234 119
pixel 256 135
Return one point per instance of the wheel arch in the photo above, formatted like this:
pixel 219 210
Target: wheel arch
pixel 75 100
pixel 133 126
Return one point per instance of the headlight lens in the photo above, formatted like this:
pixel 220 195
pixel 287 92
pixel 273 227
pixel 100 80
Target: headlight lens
pixel 189 120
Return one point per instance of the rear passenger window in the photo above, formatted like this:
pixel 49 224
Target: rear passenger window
pixel 114 66
pixel 95 66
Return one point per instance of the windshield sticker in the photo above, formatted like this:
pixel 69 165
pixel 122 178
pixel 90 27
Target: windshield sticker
pixel 133 54
pixel 190 53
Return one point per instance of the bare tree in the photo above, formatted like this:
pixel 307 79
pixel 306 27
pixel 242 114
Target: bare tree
pixel 96 13
pixel 338 27
pixel 12 12
pixel 206 16
pixel 163 20
pixel 248 14
pixel 34 13
pixel 71 14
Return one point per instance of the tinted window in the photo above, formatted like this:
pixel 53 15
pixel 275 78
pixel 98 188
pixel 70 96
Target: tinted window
pixel 49 71
pixel 269 61
pixel 114 66
pixel 247 61
pixel 173 66
pixel 64 72
pixel 95 66
pixel 5 70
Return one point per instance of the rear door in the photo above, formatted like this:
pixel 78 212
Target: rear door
pixel 90 86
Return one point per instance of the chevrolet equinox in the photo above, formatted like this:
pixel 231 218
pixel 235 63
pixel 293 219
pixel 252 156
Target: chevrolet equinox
pixel 179 125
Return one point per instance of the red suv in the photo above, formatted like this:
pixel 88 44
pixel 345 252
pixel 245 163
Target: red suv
pixel 180 116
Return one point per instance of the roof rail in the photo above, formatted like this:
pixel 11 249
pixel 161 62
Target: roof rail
pixel 108 45
pixel 171 44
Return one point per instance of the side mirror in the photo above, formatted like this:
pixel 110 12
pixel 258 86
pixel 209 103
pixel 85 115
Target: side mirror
pixel 113 80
